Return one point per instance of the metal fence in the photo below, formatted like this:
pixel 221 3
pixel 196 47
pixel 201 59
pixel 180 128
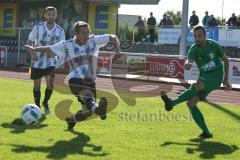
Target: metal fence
pixel 166 39
pixel 17 56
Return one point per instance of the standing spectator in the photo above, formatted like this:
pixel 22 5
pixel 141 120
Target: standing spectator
pixel 206 19
pixel 238 22
pixel 163 20
pixel 167 22
pixel 193 19
pixel 151 22
pixel 212 22
pixel 141 28
pixel 232 20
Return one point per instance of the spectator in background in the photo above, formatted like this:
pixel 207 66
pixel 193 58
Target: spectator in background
pixel 193 21
pixel 232 20
pixel 212 22
pixel 238 22
pixel 166 22
pixel 163 20
pixel 206 19
pixel 141 28
pixel 151 22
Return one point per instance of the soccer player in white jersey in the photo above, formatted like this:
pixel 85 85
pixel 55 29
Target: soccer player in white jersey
pixel 81 50
pixel 44 34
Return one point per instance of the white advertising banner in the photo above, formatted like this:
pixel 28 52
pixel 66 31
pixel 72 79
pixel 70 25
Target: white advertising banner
pixel 234 72
pixel 229 37
pixel 191 74
pixel 233 75
pixel 169 35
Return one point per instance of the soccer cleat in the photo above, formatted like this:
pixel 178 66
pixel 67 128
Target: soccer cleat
pixel 167 101
pixel 205 135
pixel 70 122
pixel 102 109
pixel 46 108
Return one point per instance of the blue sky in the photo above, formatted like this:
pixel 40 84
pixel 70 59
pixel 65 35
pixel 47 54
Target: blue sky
pixel 200 6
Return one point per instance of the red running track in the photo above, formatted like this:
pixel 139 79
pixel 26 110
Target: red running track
pixel 139 86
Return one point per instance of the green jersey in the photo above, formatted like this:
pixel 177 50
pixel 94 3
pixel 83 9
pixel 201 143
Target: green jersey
pixel 207 58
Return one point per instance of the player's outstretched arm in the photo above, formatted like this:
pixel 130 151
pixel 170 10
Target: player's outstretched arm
pixel 114 39
pixel 226 83
pixel 43 49
pixel 33 56
pixel 188 64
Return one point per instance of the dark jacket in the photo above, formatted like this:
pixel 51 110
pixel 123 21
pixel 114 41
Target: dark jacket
pixel 151 22
pixel 166 23
pixel 232 21
pixel 193 21
pixel 140 25
pixel 212 22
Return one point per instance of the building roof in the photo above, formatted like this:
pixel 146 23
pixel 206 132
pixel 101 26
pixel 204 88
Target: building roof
pixel 140 2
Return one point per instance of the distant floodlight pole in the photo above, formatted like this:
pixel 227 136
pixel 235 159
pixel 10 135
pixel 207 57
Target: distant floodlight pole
pixel 184 29
pixel 222 9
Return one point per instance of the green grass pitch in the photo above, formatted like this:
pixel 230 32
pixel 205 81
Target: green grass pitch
pixel 144 131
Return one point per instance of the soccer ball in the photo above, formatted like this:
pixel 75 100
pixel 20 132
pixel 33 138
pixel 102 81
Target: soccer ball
pixel 31 114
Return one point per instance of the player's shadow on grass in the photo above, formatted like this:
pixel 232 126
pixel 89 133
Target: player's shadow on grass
pixel 17 126
pixel 62 148
pixel 234 115
pixel 208 149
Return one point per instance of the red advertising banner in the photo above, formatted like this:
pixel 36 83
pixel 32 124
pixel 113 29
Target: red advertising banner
pixel 165 67
pixel 104 63
pixel 136 65
pixel 119 65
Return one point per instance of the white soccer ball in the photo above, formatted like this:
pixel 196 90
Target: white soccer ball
pixel 31 114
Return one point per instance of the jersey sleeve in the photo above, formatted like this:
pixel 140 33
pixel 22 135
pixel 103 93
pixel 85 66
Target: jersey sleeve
pixel 101 40
pixel 59 49
pixel 33 34
pixel 62 36
pixel 191 54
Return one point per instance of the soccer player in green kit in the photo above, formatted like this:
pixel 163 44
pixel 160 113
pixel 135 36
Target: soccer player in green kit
pixel 208 55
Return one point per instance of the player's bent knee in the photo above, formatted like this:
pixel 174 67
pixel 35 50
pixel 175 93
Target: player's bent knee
pixel 199 86
pixel 36 88
pixel 50 87
pixel 188 103
pixel 191 103
pixel 86 94
pixel 195 86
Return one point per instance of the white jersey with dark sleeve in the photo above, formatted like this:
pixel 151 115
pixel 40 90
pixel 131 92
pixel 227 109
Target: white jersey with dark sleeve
pixel 42 36
pixel 82 60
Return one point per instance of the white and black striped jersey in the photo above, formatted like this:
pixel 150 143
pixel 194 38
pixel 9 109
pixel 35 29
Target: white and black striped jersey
pixel 42 36
pixel 82 60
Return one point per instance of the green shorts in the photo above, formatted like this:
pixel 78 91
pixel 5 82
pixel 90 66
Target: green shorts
pixel 212 81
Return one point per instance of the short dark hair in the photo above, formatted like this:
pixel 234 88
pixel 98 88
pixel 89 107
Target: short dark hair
pixel 198 27
pixel 50 8
pixel 78 25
